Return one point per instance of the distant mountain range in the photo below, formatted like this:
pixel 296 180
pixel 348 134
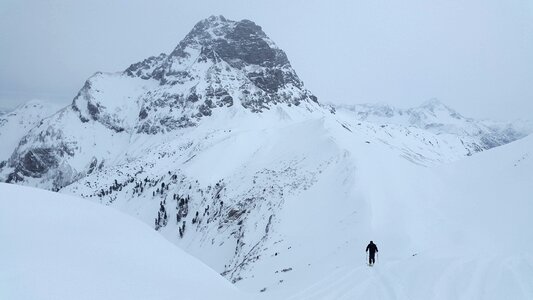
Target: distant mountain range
pixel 435 117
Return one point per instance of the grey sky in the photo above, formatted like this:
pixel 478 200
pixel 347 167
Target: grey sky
pixel 476 56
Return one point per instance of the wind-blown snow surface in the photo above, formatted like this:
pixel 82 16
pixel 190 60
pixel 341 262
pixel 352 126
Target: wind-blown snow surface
pixel 59 247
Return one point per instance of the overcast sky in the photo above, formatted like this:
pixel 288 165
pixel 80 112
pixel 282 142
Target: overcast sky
pixel 476 56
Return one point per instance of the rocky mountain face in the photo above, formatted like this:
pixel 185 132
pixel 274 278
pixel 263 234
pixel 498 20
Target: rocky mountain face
pixel 219 64
pixel 220 147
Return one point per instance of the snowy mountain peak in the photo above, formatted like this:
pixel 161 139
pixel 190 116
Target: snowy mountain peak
pixel 209 30
pixel 238 43
pixel 220 63
pixel 221 69
pixel 217 49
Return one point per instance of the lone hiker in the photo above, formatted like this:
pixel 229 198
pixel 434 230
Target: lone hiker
pixel 371 249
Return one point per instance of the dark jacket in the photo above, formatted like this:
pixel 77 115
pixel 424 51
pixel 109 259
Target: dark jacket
pixel 372 249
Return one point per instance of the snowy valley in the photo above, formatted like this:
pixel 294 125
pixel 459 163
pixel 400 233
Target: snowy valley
pixel 219 148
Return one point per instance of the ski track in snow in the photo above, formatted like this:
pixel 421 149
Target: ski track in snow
pixel 458 279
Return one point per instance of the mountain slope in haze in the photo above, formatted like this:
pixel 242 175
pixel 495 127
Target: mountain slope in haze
pixel 15 124
pixel 437 118
pixel 59 247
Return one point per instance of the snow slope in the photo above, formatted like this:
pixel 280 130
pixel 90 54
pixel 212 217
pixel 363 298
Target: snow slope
pixel 444 232
pixel 459 231
pixel 60 247
pixel 303 194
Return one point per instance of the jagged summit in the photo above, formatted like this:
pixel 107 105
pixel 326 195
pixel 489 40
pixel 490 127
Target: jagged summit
pixel 242 45
pixel 233 41
pixel 220 63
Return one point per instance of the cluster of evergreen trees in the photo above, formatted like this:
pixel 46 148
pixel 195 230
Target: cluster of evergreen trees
pixel 115 187
pixel 162 218
pixel 159 187
pixel 182 210
pixel 141 186
pixel 181 229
